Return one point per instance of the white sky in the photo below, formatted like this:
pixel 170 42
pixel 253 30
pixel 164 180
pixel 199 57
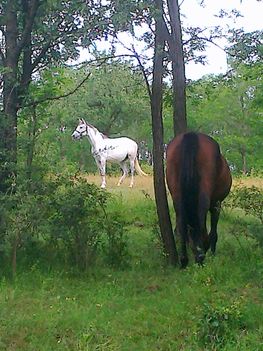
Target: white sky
pixel 252 11
pixel 195 15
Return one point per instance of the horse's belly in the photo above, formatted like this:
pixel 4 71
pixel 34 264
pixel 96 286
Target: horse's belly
pixel 117 156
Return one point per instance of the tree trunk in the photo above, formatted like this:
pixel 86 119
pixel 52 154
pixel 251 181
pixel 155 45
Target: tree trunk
pixel 158 145
pixel 10 102
pixel 17 41
pixel 178 69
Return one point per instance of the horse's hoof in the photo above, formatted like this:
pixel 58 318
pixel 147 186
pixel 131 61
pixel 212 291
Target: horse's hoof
pixel 184 262
pixel 103 186
pixel 199 259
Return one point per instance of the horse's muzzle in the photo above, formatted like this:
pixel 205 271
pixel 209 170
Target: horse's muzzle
pixel 75 136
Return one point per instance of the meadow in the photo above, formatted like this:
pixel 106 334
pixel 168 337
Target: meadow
pixel 143 304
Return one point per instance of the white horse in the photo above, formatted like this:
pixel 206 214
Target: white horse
pixel 117 150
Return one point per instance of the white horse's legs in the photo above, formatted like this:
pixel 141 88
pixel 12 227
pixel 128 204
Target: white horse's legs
pixel 125 172
pixel 102 168
pixel 132 172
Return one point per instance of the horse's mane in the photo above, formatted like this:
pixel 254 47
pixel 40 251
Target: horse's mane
pixel 94 128
pixel 103 135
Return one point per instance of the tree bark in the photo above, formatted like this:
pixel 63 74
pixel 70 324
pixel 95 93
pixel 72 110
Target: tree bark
pixel 158 145
pixel 178 68
pixel 10 103
pixel 15 86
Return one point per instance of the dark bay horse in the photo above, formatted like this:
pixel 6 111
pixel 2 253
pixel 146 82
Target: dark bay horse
pixel 199 179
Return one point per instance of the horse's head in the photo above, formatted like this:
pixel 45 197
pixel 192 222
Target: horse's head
pixel 81 130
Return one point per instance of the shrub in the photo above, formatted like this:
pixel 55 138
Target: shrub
pixel 219 324
pixel 21 215
pixel 249 199
pixel 80 224
pixel 63 219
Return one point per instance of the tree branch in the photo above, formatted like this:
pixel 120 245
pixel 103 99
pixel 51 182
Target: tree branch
pixel 2 55
pixel 30 17
pixel 136 55
pixel 52 98
pixel 41 54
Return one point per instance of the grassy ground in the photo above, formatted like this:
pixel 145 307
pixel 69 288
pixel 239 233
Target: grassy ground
pixel 146 305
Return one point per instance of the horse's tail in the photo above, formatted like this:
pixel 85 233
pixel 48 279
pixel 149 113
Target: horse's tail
pixel 138 168
pixel 189 181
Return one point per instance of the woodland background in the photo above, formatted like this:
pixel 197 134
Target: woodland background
pixel 85 269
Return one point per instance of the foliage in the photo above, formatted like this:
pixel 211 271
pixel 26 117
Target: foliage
pixel 114 99
pixel 249 199
pixel 229 109
pixel 21 216
pixel 79 220
pixel 63 219
pixel 245 48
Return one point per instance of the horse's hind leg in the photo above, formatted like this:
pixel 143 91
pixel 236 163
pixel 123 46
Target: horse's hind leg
pixel 124 169
pixel 215 212
pixel 181 229
pixel 132 171
pixel 199 235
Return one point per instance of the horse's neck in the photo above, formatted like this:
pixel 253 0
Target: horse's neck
pixel 95 137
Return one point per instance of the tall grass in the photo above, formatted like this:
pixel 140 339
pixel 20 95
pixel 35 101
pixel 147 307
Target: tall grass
pixel 145 305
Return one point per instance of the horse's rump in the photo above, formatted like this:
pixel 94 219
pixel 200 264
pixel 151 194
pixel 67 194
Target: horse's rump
pixel 198 178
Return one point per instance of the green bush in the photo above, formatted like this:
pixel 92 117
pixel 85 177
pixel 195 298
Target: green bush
pixel 249 199
pixel 219 325
pixel 62 221
pixel 80 224
pixel 21 216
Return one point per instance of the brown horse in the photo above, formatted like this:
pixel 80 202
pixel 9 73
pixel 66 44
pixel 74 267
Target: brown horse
pixel 199 179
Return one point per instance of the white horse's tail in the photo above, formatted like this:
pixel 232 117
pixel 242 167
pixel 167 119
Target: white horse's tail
pixel 138 168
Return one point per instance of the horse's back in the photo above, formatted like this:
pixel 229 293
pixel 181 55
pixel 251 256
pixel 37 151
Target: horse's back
pixel 213 171
pixel 122 141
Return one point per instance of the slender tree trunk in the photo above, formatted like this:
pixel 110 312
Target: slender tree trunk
pixel 244 160
pixel 158 145
pixel 14 255
pixel 31 143
pixel 178 68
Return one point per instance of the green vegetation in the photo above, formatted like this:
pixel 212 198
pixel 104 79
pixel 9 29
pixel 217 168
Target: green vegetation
pixel 83 269
pixel 133 301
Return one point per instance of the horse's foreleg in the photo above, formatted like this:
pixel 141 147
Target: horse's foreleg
pixel 102 168
pixel 124 172
pixel 132 172
pixel 215 212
